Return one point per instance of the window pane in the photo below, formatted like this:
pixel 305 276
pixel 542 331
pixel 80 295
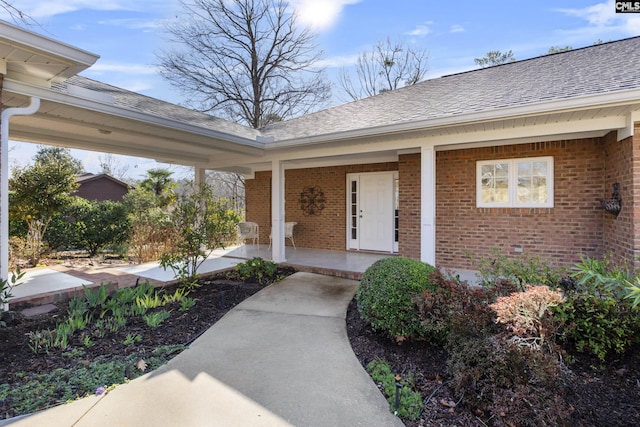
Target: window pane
pixel 494 183
pixel 532 182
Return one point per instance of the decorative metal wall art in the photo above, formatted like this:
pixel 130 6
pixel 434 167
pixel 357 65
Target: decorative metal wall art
pixel 614 204
pixel 312 201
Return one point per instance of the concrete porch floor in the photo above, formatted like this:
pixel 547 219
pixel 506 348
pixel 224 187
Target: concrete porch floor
pixel 48 285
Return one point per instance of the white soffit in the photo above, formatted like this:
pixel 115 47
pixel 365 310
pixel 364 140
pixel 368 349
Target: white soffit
pixel 30 57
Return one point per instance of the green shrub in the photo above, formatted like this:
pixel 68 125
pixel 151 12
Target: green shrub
pixel 386 295
pixel 598 318
pixel 256 270
pixel 598 325
pixel 410 401
pixel 521 271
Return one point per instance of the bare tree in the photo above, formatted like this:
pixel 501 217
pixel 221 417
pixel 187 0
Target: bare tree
pixel 228 185
pixel 112 165
pixel 16 15
pixel 495 57
pixel 388 66
pixel 244 60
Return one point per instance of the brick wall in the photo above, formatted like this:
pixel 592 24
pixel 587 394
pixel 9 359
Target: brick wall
pixel 585 169
pixel 618 231
pixel 409 216
pixel 324 231
pixel 559 235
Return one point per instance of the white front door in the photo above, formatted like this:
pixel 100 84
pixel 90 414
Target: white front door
pixel 371 211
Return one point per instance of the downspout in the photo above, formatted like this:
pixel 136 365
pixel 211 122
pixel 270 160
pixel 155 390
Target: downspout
pixel 33 106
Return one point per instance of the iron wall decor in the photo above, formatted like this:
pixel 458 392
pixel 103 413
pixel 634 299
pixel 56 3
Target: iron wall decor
pixel 614 204
pixel 312 201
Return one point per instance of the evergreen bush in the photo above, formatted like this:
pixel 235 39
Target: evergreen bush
pixel 386 295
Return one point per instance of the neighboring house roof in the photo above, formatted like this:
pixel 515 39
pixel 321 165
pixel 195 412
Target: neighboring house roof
pixel 88 177
pixel 101 187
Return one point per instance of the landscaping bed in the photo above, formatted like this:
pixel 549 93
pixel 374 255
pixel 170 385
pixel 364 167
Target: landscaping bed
pixel 598 394
pixel 59 375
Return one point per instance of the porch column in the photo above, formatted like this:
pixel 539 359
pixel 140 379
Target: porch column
pixel 277 212
pixel 33 106
pixel 428 205
pixel 200 176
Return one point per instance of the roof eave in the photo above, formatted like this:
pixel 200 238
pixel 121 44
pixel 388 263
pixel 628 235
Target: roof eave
pixel 72 100
pixel 556 106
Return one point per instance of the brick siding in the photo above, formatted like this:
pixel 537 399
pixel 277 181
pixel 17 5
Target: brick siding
pixel 558 235
pixel 585 170
pixel 324 231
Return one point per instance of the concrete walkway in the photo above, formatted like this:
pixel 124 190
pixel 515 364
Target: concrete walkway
pixel 280 358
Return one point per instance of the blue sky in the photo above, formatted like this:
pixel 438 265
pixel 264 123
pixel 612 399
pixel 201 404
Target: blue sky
pixel 127 34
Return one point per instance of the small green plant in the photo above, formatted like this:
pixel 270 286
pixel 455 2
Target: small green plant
pixel 115 323
pixel 187 303
pixel 6 289
pixel 41 341
pixel 79 322
pixel 96 297
pixel 132 339
pixel 177 296
pixel 150 301
pixel 258 270
pixel 521 271
pixel 386 296
pixel 154 320
pixel 409 401
pixel 62 334
pixel 87 341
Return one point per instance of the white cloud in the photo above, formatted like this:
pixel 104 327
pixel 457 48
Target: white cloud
pixel 456 29
pixel 320 15
pixel 421 30
pixel 39 9
pixel 133 24
pixel 338 61
pixel 137 69
pixel 602 19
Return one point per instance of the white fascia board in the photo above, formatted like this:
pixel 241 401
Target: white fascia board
pixel 37 43
pixel 573 104
pixel 244 144
pixel 512 135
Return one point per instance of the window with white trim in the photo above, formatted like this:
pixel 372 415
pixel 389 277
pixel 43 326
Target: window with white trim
pixel 515 183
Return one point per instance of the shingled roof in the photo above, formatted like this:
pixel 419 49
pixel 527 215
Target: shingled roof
pixel 604 68
pixel 134 101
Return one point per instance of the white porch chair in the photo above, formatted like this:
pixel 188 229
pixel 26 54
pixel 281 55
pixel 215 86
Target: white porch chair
pixel 249 230
pixel 288 233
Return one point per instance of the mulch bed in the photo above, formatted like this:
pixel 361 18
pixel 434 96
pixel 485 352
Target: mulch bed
pixel 608 397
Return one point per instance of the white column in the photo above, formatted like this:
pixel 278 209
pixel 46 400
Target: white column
pixel 277 212
pixel 4 180
pixel 428 205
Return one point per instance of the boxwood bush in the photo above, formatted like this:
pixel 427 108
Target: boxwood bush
pixel 386 295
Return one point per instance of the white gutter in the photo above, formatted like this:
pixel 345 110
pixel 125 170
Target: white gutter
pixel 551 107
pixel 33 106
pixel 236 143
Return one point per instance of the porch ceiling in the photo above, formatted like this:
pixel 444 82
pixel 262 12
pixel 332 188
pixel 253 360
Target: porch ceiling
pixel 92 124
